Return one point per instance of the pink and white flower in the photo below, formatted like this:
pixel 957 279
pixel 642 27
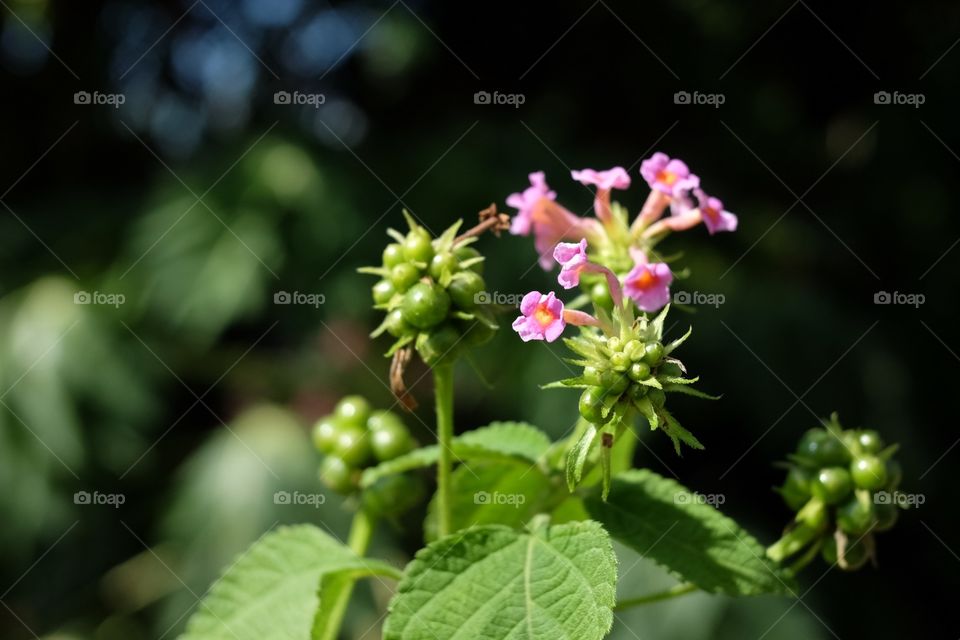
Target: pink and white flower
pixel 604 181
pixel 526 200
pixel 572 257
pixel 542 317
pixel 648 284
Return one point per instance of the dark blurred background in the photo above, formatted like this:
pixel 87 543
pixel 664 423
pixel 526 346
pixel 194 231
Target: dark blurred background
pixel 183 391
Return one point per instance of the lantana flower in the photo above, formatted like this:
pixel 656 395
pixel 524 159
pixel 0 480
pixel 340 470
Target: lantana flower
pixel 648 283
pixel 526 200
pixel 668 179
pixel 713 214
pixel 542 317
pixel 604 181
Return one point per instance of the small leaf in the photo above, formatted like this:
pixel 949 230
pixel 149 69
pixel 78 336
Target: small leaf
pixel 495 583
pixel 445 241
pixel 690 391
pixel 566 383
pixel 672 380
pixel 645 407
pixel 677 433
pixel 673 344
pixel 657 323
pixel 667 523
pixel 332 585
pixel 577 456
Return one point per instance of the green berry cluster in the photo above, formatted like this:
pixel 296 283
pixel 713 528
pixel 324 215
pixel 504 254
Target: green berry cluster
pixel 432 290
pixel 839 482
pixel 354 437
pixel 630 372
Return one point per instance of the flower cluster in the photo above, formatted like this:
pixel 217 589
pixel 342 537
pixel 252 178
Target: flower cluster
pixel 840 483
pixel 625 248
pixel 432 290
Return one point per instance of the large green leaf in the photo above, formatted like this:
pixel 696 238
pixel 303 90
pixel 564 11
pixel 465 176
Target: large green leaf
pixel 495 583
pixel 667 523
pixel 498 440
pixel 271 591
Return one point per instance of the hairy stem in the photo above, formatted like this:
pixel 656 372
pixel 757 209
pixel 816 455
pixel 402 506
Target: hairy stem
pixel 673 592
pixel 443 390
pixel 361 529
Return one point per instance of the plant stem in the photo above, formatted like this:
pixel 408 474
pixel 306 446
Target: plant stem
pixel 673 592
pixel 443 390
pixel 361 529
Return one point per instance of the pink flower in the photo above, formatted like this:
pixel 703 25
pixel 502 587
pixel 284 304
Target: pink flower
pixel 648 284
pixel 714 217
pixel 572 257
pixel 663 174
pixel 542 319
pixel 553 223
pixel 604 181
pixel 526 200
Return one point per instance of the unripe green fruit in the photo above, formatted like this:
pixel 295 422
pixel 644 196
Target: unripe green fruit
pixel 886 515
pixel 634 350
pixel 394 494
pixel 653 352
pixel 639 371
pixel 442 345
pixel 869 472
pixel 620 361
pixel 638 392
pixel 443 263
pixel 592 376
pixel 869 441
pixel 425 305
pixel 404 275
pixel 614 382
pixel 383 291
pixel 796 487
pixel 418 245
pixel 390 442
pixel 591 405
pixel 823 448
pixel 352 410
pixel 353 446
pixel 600 295
pixel 465 289
pixel 613 344
pixel 831 484
pixel 396 325
pixel 467 253
pixel 855 516
pixel 337 474
pixel 392 255
pixel 325 433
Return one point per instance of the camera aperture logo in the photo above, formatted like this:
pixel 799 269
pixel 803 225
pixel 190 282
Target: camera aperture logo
pixel 96 98
pixel 909 299
pixel 99 297
pixel 512 99
pixel 297 498
pixel 495 297
pixel 713 499
pixel 497 498
pixel 297 98
pixel 297 297
pixel 910 99
pixel 98 499
pixel 699 298
pixel 697 98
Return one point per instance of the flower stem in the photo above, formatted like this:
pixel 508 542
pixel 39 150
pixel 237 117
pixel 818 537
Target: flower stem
pixel 443 390
pixel 673 592
pixel 361 529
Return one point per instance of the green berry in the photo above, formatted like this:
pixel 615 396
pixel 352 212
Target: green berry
pixel 591 405
pixel 634 350
pixel 404 275
pixel 855 516
pixel 600 295
pixel 614 382
pixel 325 433
pixel 620 361
pixel 418 245
pixel 394 494
pixel 425 305
pixel 592 376
pixel 886 515
pixel 822 448
pixel 392 255
pixel 442 263
pixel 353 445
pixel 653 352
pixel 391 442
pixel 468 253
pixel 796 487
pixel 336 474
pixel 869 472
pixel 465 289
pixel 639 371
pixel 442 345
pixel 831 484
pixel 383 291
pixel 353 410
pixel 869 441
pixel 396 325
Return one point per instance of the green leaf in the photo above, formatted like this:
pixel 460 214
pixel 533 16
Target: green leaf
pixel 677 433
pixel 510 493
pixel 687 390
pixel 270 592
pixel 496 583
pixel 646 409
pixel 577 456
pixel 675 528
pixel 498 440
pixel 673 344
pixel 332 586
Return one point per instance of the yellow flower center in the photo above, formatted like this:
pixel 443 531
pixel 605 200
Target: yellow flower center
pixel 667 177
pixel 543 316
